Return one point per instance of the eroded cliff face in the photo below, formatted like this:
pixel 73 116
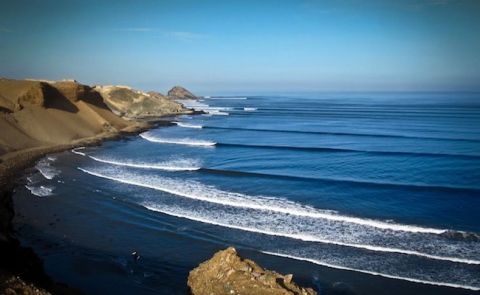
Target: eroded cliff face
pixel 228 273
pixel 131 103
pixel 179 92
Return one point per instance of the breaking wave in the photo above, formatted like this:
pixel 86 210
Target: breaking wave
pixel 43 166
pixel 428 282
pixel 75 151
pixel 175 165
pixel 40 191
pixel 184 141
pixel 284 218
pixel 186 125
pixel 229 98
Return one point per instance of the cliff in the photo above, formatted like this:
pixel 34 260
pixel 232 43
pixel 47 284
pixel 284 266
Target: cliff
pixel 227 273
pixel 179 92
pixel 132 103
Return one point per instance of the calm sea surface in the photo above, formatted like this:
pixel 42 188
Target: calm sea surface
pixel 370 193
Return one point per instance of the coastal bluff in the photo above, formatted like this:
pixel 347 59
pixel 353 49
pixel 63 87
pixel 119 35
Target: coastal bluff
pixel 227 273
pixel 135 104
pixel 36 113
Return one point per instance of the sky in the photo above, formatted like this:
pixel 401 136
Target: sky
pixel 213 46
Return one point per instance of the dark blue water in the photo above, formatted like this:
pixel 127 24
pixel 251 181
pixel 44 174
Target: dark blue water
pixel 372 192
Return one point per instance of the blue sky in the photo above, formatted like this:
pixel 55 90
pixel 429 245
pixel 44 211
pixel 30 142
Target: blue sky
pixel 212 46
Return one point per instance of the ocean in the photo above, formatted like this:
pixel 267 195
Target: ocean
pixel 353 193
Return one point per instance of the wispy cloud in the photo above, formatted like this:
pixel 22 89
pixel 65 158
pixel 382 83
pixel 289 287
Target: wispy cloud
pixel 177 35
pixel 136 30
pixel 184 36
pixel 427 4
pixel 5 30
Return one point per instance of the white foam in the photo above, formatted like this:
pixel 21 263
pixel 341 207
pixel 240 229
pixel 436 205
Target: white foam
pixel 284 218
pixel 75 151
pixel 286 207
pixel 249 109
pixel 44 167
pixel 213 109
pixel 176 165
pixel 218 113
pixel 309 238
pixel 184 141
pixel 186 125
pixel 40 191
pixel 318 262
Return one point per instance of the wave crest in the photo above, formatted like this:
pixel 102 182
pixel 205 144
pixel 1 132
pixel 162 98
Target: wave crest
pixel 186 125
pixel 175 165
pixel 40 191
pixel 43 166
pixel 184 141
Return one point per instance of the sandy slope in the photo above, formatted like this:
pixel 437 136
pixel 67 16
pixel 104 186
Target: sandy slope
pixel 35 113
pixel 36 118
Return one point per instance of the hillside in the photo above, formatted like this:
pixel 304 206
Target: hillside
pixel 132 103
pixel 37 113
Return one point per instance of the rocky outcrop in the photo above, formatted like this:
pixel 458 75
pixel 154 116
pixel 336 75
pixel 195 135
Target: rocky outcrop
pixel 179 92
pixel 12 285
pixel 227 273
pixel 132 103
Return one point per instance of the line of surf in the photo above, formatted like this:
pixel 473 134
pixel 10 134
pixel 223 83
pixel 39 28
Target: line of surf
pixel 307 238
pixel 43 166
pixel 227 98
pixel 320 114
pixel 182 141
pixel 75 151
pixel 318 262
pixel 172 166
pixel 340 180
pixel 301 211
pixel 186 125
pixel 340 150
pixel 341 133
pixel 40 191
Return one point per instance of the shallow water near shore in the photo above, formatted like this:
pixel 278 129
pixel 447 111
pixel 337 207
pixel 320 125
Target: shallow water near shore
pixel 371 193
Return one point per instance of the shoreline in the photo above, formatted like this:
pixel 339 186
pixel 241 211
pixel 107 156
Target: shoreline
pixel 20 263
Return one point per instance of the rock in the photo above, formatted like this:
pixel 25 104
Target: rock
pixel 288 278
pixel 179 92
pixel 15 286
pixel 228 273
